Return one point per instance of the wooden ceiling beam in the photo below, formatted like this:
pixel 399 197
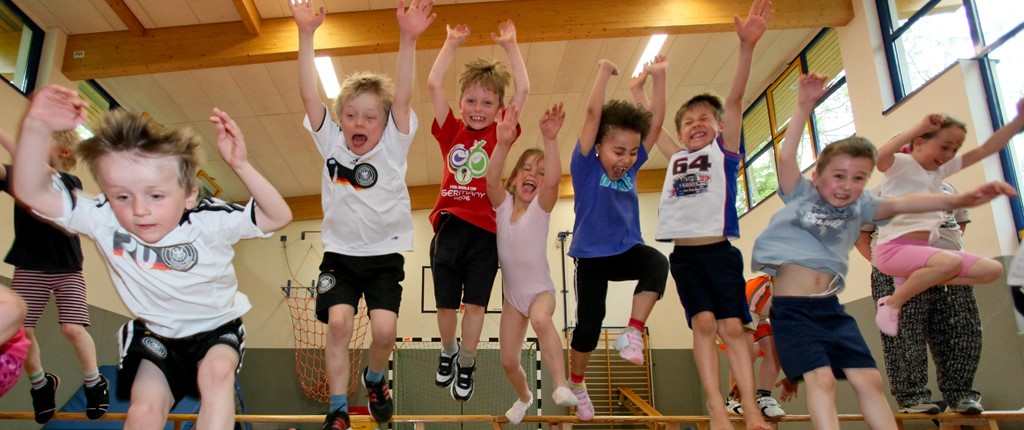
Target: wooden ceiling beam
pixel 250 16
pixel 171 49
pixel 128 17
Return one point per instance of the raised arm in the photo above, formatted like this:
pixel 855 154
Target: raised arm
pixel 272 212
pixel 412 23
pixel 550 124
pixel 998 140
pixel 52 109
pixel 307 20
pixel 749 32
pixel 926 202
pixel 435 81
pixel 812 87
pixel 665 144
pixel 506 38
pixel 659 96
pixel 605 70
pixel 506 120
pixel 887 152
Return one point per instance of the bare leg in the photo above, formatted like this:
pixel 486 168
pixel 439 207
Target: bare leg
pixel 447 322
pixel 706 355
pixel 383 324
pixel 867 383
pixel 151 399
pixel 472 326
pixel 551 351
pixel 738 353
pixel 84 346
pixel 216 378
pixel 339 335
pixel 512 331
pixel 821 398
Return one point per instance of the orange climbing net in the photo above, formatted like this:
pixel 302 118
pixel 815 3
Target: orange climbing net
pixel 309 337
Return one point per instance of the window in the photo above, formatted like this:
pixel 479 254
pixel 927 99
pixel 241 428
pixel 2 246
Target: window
pixel 765 121
pixel 97 102
pixel 21 44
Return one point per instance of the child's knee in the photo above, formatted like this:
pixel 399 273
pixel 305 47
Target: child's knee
pixel 73 331
pixel 340 327
pixel 947 263
pixel 510 362
pixel 704 324
pixel 218 366
pixel 986 270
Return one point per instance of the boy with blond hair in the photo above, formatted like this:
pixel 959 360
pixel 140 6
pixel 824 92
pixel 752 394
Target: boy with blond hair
pixel 169 255
pixel 463 252
pixel 367 217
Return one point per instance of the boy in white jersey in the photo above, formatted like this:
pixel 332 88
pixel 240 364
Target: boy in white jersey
pixel 169 257
pixel 697 211
pixel 367 218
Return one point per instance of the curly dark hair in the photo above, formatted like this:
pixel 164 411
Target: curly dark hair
pixel 623 115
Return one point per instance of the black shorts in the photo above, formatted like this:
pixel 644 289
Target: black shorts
pixel 710 278
pixel 816 332
pixel 463 262
pixel 178 358
pixel 345 278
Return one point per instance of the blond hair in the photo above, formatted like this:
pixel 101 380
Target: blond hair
pixel 365 82
pixel 489 74
pixel 123 131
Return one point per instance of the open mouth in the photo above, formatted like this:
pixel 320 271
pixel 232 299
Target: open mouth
pixel 699 135
pixel 529 186
pixel 359 139
pixel 476 118
pixel 619 171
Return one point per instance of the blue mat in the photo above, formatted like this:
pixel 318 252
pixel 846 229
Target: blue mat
pixel 188 405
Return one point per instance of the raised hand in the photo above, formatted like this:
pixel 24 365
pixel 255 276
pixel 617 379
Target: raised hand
pixel 306 18
pixel 415 20
pixel 607 66
pixel 56 108
pixel 457 34
pixel 986 193
pixel 506 121
pixel 812 87
pixel 657 66
pixel 751 29
pixel 230 142
pixel 551 121
pixel 931 123
pixel 506 34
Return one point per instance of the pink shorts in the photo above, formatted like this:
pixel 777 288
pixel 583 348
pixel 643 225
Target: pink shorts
pixel 12 360
pixel 901 257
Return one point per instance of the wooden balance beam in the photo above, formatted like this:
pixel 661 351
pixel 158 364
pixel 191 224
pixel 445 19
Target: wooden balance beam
pixel 948 421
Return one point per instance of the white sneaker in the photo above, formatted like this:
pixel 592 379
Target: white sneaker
pixel 564 397
pixel 518 410
pixel 630 345
pixel 733 406
pixel 770 407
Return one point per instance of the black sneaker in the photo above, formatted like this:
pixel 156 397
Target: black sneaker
pixel 462 390
pixel 445 369
pixel 97 399
pixel 337 420
pixel 44 399
pixel 381 407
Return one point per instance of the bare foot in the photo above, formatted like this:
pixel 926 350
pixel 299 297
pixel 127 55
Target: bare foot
pixel 720 419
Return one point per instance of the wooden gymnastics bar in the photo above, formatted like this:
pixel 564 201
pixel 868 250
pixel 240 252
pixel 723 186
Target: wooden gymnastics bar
pixel 948 421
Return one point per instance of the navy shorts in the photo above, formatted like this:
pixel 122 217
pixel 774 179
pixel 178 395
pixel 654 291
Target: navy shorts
pixel 463 262
pixel 344 279
pixel 709 278
pixel 177 358
pixel 816 332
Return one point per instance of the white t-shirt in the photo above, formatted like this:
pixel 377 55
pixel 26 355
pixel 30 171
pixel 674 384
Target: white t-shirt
pixel 907 176
pixel 184 284
pixel 365 199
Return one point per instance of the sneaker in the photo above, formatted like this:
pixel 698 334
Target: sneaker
pixel 446 369
pixel 924 407
pixel 732 405
pixel 564 397
pixel 97 399
pixel 381 407
pixel 630 345
pixel 44 399
pixel 462 389
pixel 887 318
pixel 516 413
pixel 966 407
pixel 584 408
pixel 337 420
pixel 770 407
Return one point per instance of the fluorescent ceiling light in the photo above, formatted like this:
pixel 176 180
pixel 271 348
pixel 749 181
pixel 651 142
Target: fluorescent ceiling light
pixel 325 68
pixel 652 49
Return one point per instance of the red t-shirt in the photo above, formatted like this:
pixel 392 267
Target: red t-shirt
pixel 467 155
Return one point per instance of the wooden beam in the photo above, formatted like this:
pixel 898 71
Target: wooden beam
pixel 170 49
pixel 127 17
pixel 424 196
pixel 250 15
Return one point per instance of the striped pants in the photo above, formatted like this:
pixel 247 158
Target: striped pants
pixel 945 319
pixel 68 287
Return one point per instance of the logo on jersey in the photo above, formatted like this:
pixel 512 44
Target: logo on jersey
pixel 826 222
pixel 468 164
pixel 622 184
pixel 360 176
pixel 325 283
pixel 180 258
pixel 155 346
pixel 691 177
pixel 228 338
